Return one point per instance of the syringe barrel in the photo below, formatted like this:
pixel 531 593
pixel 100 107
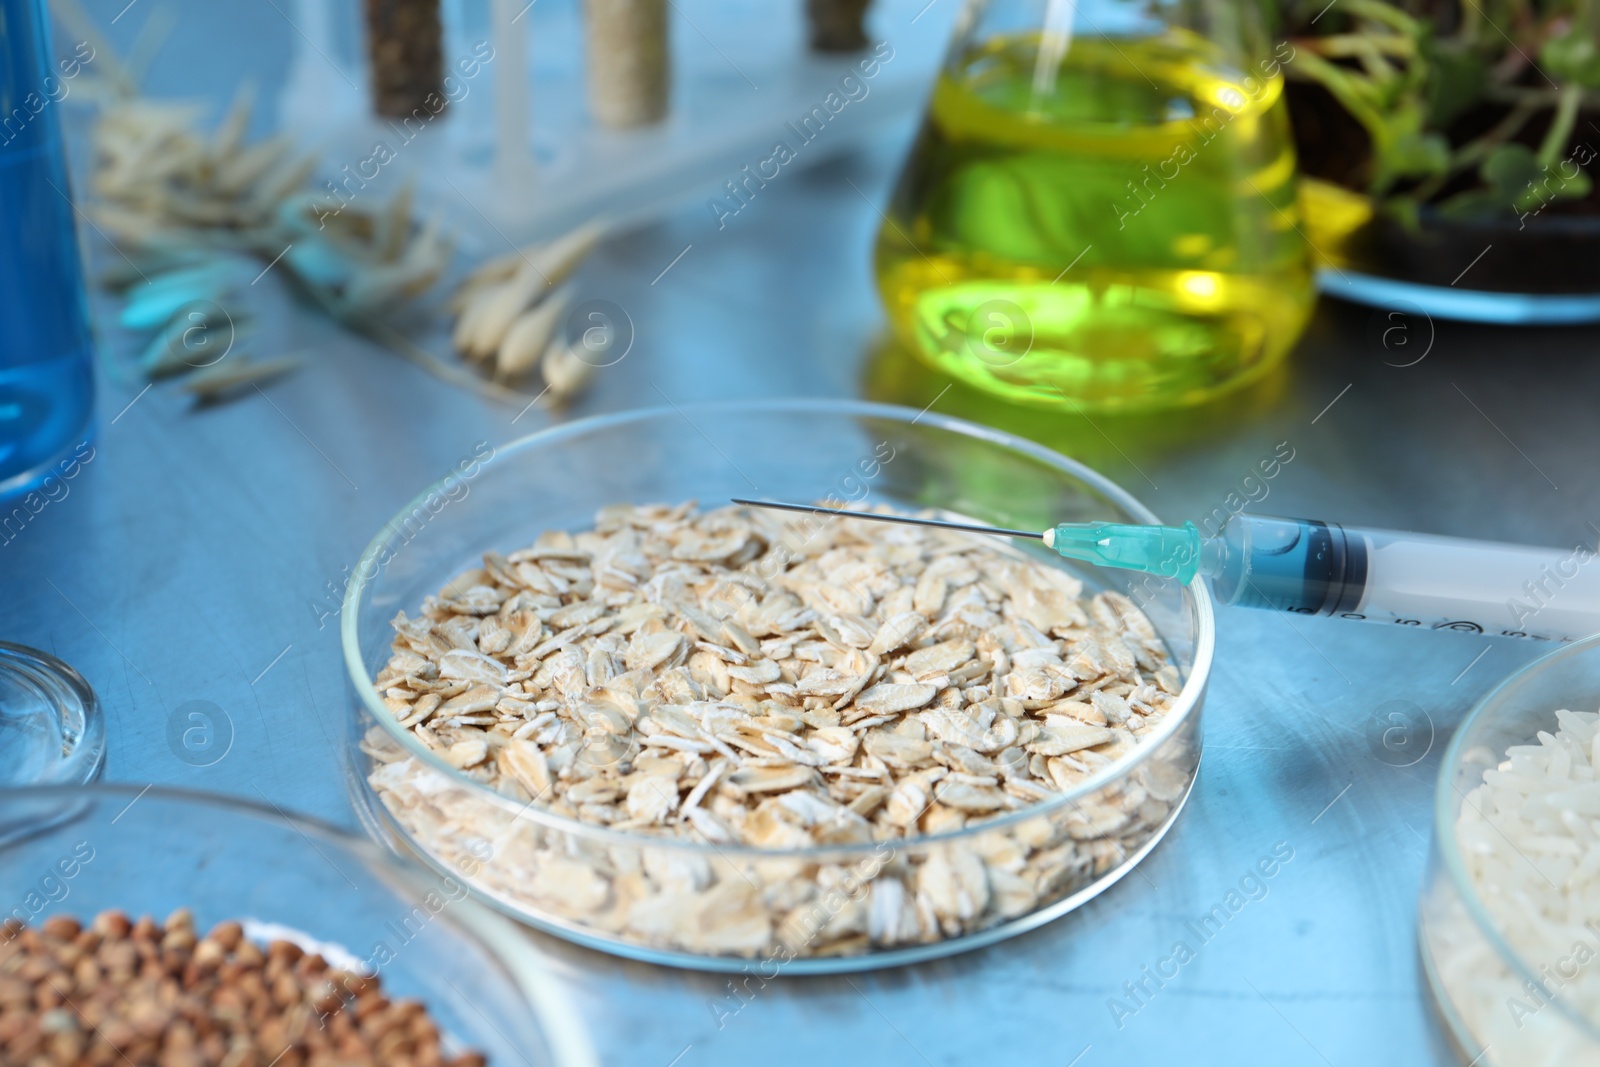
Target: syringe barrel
pixel 1407 579
pixel 1296 565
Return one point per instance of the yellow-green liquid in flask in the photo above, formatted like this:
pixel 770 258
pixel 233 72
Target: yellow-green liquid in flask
pixel 1112 231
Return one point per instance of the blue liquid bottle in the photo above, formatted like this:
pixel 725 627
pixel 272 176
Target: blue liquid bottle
pixel 46 367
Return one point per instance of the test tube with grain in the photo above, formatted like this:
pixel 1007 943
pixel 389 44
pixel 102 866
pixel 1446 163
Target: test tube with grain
pixel 837 25
pixel 404 42
pixel 629 74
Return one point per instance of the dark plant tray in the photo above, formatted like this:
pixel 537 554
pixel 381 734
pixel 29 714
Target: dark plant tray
pixel 1557 254
pixel 1543 267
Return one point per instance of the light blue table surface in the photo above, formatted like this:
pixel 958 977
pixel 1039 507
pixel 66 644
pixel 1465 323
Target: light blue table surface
pixel 188 560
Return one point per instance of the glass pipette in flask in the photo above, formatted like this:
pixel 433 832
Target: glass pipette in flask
pixel 1309 567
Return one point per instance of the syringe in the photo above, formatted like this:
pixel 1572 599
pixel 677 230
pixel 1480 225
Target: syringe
pixel 1308 567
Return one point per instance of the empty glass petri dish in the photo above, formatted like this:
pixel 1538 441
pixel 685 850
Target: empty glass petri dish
pixel 51 729
pixel 696 904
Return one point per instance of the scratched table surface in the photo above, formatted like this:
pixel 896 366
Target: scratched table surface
pixel 193 563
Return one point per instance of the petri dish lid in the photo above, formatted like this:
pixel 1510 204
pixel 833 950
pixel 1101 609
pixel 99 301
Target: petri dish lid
pixel 51 730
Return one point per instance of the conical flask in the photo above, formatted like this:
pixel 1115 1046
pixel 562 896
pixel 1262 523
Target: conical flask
pixel 1099 211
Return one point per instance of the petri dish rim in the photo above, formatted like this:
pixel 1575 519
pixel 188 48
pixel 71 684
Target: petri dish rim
pixel 1450 850
pixel 81 722
pixel 380 823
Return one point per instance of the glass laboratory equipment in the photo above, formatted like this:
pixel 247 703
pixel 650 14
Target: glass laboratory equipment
pixel 793 449
pixel 1508 984
pixel 1099 211
pixel 46 370
pixel 52 730
pixel 80 850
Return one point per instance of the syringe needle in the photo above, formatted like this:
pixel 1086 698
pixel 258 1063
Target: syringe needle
pixel 1170 551
pixel 906 520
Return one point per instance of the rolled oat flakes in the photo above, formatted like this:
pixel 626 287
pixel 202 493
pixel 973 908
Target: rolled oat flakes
pixel 731 681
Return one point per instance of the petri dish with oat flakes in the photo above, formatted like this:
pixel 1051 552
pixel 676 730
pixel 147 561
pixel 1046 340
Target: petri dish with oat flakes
pixel 710 737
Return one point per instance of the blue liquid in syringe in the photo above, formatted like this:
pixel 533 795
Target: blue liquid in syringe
pixel 1298 565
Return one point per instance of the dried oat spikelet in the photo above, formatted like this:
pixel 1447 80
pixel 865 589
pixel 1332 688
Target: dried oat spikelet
pixel 510 312
pixel 188 341
pixel 564 372
pixel 180 204
pixel 409 274
pixel 493 307
pixel 214 382
pixel 530 335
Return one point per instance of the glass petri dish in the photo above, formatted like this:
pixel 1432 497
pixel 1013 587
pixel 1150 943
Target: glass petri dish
pixel 562 875
pixel 148 851
pixel 51 729
pixel 1499 1006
